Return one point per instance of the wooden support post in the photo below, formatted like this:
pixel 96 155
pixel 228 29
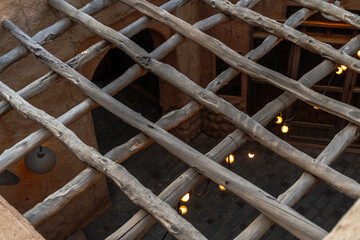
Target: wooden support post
pixel 169 218
pixel 208 99
pixel 13 225
pixel 283 215
pixel 332 10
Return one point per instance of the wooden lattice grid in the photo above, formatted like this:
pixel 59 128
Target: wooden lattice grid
pixel 201 165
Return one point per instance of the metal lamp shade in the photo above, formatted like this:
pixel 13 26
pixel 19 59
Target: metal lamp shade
pixel 40 160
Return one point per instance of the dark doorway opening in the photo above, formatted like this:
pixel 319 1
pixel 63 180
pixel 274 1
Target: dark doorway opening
pixel 142 95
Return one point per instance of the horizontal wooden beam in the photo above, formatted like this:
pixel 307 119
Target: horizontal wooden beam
pixel 138 194
pixel 285 216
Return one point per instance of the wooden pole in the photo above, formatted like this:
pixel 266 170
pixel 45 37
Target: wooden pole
pixel 283 215
pixel 332 10
pixel 138 194
pixel 339 143
pixel 276 28
pixel 50 33
pixel 142 221
pixel 41 84
pixel 208 99
pixel 13 225
pixel 231 57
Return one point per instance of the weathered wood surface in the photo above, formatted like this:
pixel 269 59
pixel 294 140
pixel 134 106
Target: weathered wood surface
pixel 332 10
pixel 285 216
pixel 280 30
pixel 349 226
pixel 50 33
pixel 210 100
pixel 41 84
pixel 170 219
pixel 13 225
pixel 234 59
pixel 142 221
pixel 339 143
pixel 57 200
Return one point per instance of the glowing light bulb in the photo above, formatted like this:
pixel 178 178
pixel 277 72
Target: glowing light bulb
pixel 284 128
pixel 230 159
pixel 183 209
pixel 278 120
pixel 222 188
pixel 186 197
pixel 339 71
pixel 358 53
pixel 251 154
pixel 316 107
pixel 344 67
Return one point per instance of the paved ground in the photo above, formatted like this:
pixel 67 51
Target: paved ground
pixel 217 214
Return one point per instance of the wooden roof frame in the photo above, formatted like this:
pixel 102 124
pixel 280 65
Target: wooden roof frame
pixel 276 210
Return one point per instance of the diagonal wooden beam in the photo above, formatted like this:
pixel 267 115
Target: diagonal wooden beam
pixel 50 33
pixel 332 10
pixel 57 200
pixel 283 215
pixel 141 196
pixel 332 151
pixel 231 57
pixel 210 100
pixel 42 83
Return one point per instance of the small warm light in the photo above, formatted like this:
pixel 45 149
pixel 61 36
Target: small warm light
pixel 339 71
pixel 316 107
pixel 251 154
pixel 222 188
pixel 230 159
pixel 284 128
pixel 183 209
pixel 358 53
pixel 344 67
pixel 186 197
pixel 278 120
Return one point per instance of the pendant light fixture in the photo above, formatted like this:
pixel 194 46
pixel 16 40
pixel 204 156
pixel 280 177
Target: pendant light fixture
pixel 40 160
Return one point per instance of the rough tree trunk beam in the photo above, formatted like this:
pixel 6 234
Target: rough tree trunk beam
pixel 339 143
pixel 135 191
pixel 50 33
pixel 14 225
pixel 57 200
pixel 332 10
pixel 208 99
pixel 231 57
pixel 282 214
pixel 278 29
pixel 142 221
pixel 20 149
pixel 41 84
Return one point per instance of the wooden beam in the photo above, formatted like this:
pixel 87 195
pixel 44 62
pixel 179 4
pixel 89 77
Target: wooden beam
pixel 276 28
pixel 138 194
pixel 142 221
pixel 283 215
pixel 50 33
pixel 231 57
pixel 340 142
pixel 332 10
pixel 208 99
pixel 13 225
